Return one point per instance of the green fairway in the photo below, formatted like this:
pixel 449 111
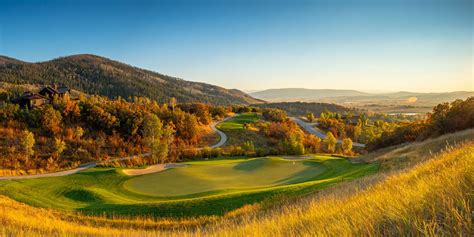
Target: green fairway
pixel 237 123
pixel 200 188
pixel 237 135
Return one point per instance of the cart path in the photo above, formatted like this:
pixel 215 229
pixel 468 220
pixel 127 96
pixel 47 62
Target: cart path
pixel 309 127
pixel 151 169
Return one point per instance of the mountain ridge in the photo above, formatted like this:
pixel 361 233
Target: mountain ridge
pixel 95 74
pixel 338 96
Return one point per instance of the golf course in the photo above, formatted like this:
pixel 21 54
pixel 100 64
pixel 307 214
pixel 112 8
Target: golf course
pixel 193 189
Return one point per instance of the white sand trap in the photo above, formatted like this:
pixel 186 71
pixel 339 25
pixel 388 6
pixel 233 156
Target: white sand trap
pixel 152 169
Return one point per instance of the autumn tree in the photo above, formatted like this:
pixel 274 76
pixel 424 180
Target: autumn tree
pixel 51 120
pixel 312 143
pixel 294 145
pixel 310 117
pixel 172 103
pixel 27 142
pixel 59 146
pixel 153 133
pixel 78 132
pixel 188 129
pixel 357 132
pixel 347 146
pixel 330 142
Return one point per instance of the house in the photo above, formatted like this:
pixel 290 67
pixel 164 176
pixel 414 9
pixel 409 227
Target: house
pixel 51 91
pixel 31 100
pixel 63 90
pixel 45 96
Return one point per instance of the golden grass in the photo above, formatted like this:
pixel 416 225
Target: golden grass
pixel 434 197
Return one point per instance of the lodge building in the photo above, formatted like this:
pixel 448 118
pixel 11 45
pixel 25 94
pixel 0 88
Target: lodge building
pixel 45 96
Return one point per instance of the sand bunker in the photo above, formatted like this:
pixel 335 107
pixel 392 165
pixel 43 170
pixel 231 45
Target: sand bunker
pixel 152 169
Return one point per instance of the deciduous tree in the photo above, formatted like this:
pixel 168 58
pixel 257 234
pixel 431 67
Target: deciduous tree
pixel 27 142
pixel 51 120
pixel 153 132
pixel 330 142
pixel 347 146
pixel 310 117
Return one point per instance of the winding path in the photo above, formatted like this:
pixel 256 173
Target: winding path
pixel 309 127
pixel 222 141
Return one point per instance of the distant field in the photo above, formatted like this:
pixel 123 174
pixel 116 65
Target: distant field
pixel 201 188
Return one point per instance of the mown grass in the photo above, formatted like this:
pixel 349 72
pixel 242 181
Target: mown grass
pixel 431 198
pixel 201 188
pixel 236 133
pixel 237 123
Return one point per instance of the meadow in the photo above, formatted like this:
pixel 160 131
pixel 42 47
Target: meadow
pixel 200 188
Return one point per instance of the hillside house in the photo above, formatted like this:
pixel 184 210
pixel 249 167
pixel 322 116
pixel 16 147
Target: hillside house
pixel 45 96
pixel 31 100
pixel 51 91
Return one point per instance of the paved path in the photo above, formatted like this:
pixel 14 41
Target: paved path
pixel 69 172
pixel 309 127
pixel 222 141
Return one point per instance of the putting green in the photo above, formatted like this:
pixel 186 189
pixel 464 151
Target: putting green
pixel 200 188
pixel 225 175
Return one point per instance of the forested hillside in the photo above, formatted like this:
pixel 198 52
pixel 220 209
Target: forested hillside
pixel 303 108
pixel 97 75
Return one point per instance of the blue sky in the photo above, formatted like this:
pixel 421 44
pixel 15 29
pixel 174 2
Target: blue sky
pixel 412 45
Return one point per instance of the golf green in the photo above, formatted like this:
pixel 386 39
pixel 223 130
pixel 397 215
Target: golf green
pixel 225 175
pixel 199 188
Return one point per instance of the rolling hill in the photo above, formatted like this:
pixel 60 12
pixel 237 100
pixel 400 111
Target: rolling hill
pixel 302 94
pixel 393 102
pixel 98 75
pixel 303 108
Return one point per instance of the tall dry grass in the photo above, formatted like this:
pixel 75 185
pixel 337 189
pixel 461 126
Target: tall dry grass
pixel 434 197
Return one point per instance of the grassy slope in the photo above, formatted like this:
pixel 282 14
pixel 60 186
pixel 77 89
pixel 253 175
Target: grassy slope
pixel 101 190
pixel 237 135
pixel 432 198
pixel 238 121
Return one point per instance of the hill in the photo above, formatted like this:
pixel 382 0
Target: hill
pixel 396 102
pixel 301 94
pixel 98 75
pixel 303 108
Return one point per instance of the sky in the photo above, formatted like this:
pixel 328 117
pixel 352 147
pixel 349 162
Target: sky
pixel 387 45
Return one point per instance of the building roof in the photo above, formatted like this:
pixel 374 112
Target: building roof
pixel 50 90
pixel 34 97
pixel 63 89
pixel 29 96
